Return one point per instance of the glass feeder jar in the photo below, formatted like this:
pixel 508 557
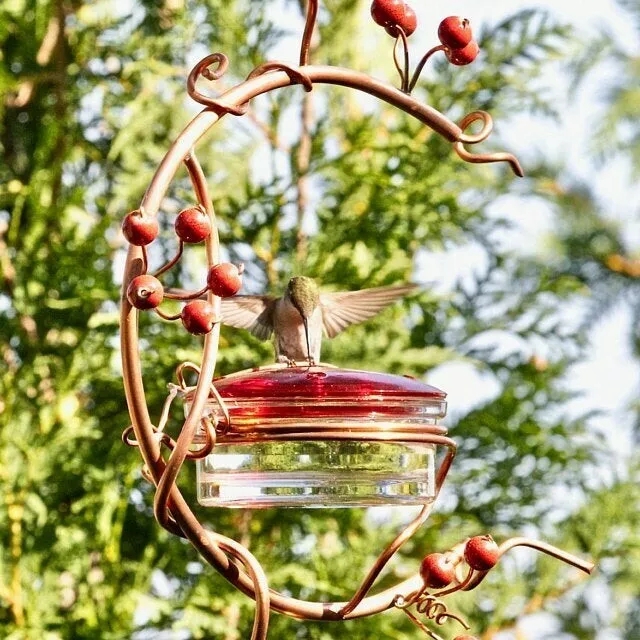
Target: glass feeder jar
pixel 320 436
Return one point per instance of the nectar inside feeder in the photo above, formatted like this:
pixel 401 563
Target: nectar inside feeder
pixel 321 436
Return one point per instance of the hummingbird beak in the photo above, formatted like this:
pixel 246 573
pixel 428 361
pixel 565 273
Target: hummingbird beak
pixel 305 321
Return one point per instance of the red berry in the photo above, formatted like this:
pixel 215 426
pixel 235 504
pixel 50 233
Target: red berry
pixel 455 32
pixel 193 225
pixel 463 56
pixel 385 12
pixel 198 317
pixel 437 570
pixel 225 279
pixel 465 636
pixel 139 229
pixel 145 292
pixel 481 553
pixel 408 23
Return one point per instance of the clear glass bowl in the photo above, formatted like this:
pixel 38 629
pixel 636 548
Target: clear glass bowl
pixel 321 437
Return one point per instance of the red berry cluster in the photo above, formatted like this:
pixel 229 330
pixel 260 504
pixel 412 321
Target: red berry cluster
pixel 455 35
pixel 224 280
pixel 198 316
pixel 192 225
pixel 394 15
pixel 438 570
pixel 145 291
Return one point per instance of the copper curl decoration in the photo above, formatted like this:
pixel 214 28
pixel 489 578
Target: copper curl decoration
pixel 164 456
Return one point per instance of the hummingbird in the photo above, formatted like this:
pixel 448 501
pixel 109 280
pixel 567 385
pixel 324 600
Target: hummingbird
pixel 298 319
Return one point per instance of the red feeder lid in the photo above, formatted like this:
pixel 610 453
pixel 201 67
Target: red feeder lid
pixel 322 383
pixel 267 396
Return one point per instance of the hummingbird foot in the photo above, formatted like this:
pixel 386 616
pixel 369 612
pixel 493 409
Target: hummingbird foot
pixel 290 362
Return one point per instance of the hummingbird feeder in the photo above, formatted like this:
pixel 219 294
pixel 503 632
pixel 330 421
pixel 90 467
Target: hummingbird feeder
pixel 323 436
pixel 298 434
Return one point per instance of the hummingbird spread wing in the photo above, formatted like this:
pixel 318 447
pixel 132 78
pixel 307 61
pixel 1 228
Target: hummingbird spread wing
pixel 343 308
pixel 254 313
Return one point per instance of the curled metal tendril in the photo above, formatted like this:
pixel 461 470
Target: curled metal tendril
pixel 403 604
pixel 483 134
pixel 258 577
pixel 430 607
pixel 215 65
pixel 212 67
pixel 208 425
pixel 295 75
pixel 167 441
pixel 190 366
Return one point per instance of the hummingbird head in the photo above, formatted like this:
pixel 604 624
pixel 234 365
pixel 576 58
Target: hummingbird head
pixel 303 294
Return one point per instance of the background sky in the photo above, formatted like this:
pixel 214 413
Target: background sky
pixel 610 380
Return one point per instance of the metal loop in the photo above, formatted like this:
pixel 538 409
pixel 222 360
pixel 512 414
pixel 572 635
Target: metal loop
pixel 203 69
pixel 483 134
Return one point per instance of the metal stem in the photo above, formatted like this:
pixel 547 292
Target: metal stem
pixel 305 47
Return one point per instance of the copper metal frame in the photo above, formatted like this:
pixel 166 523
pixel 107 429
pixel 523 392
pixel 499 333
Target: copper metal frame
pixel 163 457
